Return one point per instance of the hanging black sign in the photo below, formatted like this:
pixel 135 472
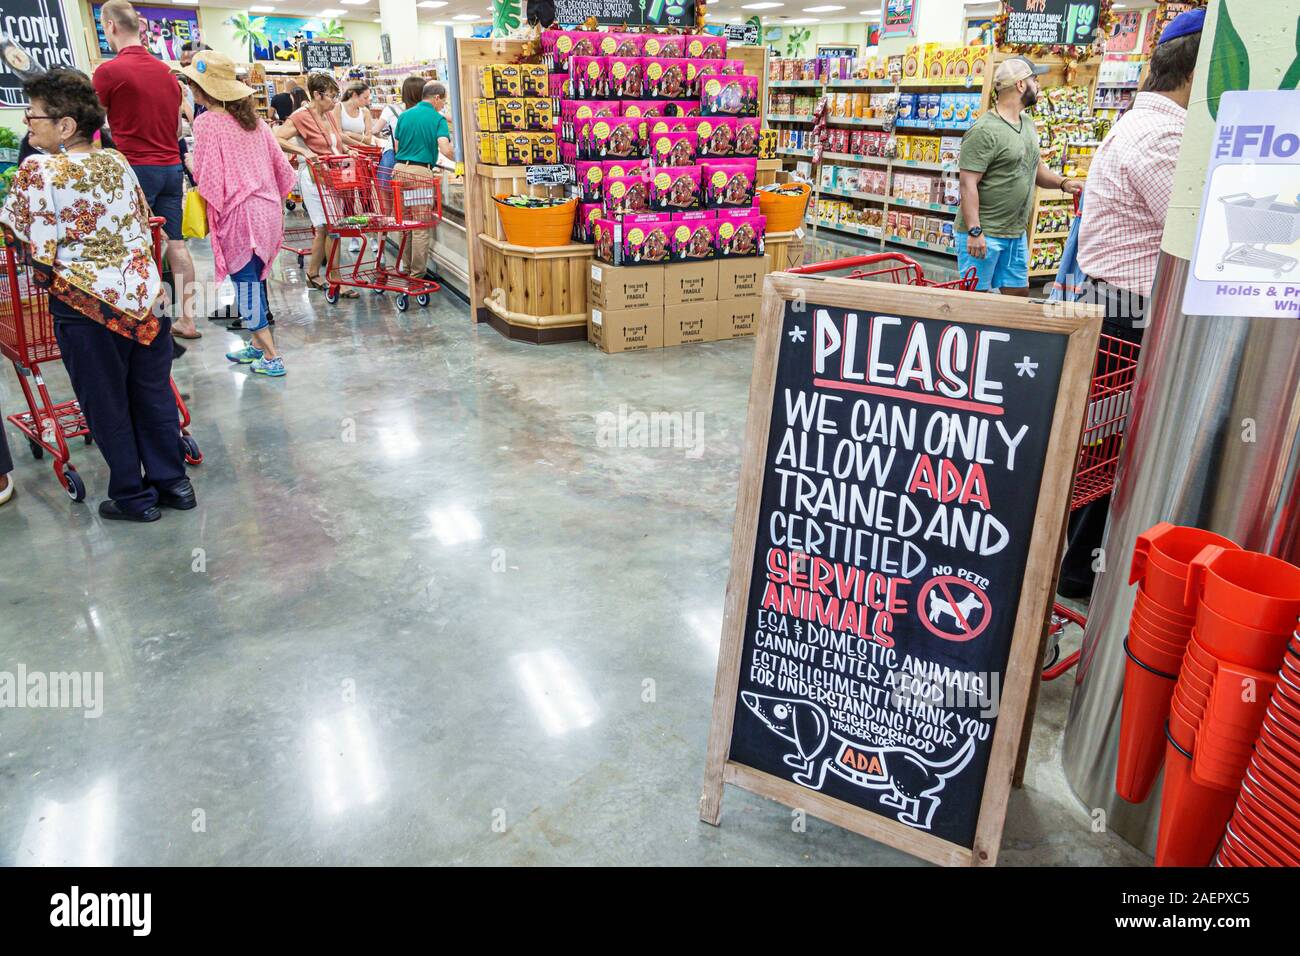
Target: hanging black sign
pixel 39 40
pixel 650 13
pixel 912 450
pixel 1051 22
pixel 745 34
pixel 320 57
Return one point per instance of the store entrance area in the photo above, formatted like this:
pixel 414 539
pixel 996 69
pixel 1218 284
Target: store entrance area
pixel 446 598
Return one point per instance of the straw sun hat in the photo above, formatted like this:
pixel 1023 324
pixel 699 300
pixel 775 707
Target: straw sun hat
pixel 214 73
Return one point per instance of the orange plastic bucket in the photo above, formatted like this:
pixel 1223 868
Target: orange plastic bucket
pixel 544 226
pixel 1192 817
pixel 1173 617
pixel 784 213
pixel 1175 636
pixel 1237 643
pixel 1151 652
pixel 1160 559
pixel 1145 709
pixel 1182 729
pixel 1256 590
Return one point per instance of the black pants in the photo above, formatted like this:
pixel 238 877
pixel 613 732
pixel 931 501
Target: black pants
pixel 125 392
pixel 6 459
pixel 1125 319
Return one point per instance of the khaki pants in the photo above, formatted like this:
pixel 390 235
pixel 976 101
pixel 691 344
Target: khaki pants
pixel 416 260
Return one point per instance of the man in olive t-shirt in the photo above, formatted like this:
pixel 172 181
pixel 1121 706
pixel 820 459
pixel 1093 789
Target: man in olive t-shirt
pixel 1000 164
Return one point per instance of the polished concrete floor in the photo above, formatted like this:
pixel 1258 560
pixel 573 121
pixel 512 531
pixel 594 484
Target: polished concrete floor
pixel 423 614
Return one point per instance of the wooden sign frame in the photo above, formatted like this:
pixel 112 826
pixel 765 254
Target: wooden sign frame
pixel 1082 326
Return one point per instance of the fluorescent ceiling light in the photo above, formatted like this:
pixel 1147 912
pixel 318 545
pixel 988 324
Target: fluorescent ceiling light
pixel 821 9
pixel 431 4
pixel 353 3
pixel 265 9
pixel 803 20
pixel 760 6
pixel 468 16
pixel 187 3
pixel 331 14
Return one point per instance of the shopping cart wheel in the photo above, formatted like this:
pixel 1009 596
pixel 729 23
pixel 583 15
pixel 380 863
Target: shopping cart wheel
pixel 73 484
pixel 87 439
pixel 190 449
pixel 302 261
pixel 423 299
pixel 291 205
pixel 1052 656
pixel 1219 266
pixel 37 451
pixel 403 302
pixel 332 295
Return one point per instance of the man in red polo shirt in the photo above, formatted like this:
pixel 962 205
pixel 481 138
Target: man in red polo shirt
pixel 143 100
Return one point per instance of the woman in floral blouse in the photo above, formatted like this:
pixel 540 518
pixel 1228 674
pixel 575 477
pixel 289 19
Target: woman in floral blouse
pixel 85 224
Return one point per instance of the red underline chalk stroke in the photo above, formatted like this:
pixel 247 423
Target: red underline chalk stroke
pixel 919 397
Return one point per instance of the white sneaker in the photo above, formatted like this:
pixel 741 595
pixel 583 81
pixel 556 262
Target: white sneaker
pixel 8 491
pixel 354 246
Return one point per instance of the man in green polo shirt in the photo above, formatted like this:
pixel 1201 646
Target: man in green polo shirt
pixel 422 135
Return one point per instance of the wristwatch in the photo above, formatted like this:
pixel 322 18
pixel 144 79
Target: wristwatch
pixel 976 232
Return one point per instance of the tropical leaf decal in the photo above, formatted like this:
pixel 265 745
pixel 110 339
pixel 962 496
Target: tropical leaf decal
pixel 505 17
pixel 1292 77
pixel 757 24
pixel 795 40
pixel 1229 62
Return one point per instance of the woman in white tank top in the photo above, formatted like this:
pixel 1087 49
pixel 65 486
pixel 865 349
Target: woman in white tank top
pixel 354 116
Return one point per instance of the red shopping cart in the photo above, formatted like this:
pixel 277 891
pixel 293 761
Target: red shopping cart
pixel 27 340
pixel 361 202
pixel 1109 399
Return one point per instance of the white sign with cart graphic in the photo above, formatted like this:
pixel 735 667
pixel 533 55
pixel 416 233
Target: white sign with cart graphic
pixel 1247 256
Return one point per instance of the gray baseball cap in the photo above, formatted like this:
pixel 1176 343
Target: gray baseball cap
pixel 1014 69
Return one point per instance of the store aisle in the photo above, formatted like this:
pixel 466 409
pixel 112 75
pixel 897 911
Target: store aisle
pixel 431 593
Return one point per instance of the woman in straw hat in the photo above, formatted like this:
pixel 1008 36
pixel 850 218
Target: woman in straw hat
pixel 244 177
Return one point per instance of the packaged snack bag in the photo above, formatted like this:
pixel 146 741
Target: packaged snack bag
pixel 589 77
pixel 676 189
pixel 584 223
pixel 657 44
pixel 717 136
pixel 626 77
pixel 748 135
pixel 665 79
pixel 693 240
pixel 729 96
pixel 705 46
pixel 672 149
pixel 626 194
pixel 740 234
pixel 729 183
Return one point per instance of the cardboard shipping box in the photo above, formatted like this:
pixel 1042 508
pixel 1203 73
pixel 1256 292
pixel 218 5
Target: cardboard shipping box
pixel 690 323
pixel 615 288
pixel 688 282
pixel 741 278
pixel 626 330
pixel 738 317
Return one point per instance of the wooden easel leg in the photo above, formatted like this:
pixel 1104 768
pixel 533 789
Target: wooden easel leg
pixel 711 797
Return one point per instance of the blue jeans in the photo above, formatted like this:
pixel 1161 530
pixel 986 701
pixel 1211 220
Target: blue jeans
pixel 250 294
pixel 1004 266
pixel 164 190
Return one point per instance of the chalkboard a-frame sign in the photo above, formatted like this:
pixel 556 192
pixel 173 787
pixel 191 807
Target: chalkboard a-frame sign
pixel 902 502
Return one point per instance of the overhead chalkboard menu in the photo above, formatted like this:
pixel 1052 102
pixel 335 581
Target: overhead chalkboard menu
pixel 905 484
pixel 1051 22
pixel 320 57
pixel 651 13
pixel 745 34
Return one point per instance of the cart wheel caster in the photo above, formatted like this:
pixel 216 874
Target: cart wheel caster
pixel 423 299
pixel 190 449
pixel 1052 657
pixel 37 451
pixel 1219 266
pixel 73 485
pixel 378 291
pixel 302 262
pixel 332 295
pixel 403 302
pixel 86 439
pixel 291 206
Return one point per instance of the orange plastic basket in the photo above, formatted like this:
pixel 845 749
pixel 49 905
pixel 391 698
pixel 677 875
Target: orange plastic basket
pixel 547 226
pixel 784 213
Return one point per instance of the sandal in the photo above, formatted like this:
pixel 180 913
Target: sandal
pixel 196 334
pixel 317 283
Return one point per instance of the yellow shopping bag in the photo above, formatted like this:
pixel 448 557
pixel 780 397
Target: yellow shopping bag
pixel 194 221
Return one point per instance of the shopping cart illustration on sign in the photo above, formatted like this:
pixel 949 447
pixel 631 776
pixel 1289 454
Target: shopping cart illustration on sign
pixel 1256 223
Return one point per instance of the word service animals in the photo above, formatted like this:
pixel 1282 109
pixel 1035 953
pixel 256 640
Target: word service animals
pixel 903 461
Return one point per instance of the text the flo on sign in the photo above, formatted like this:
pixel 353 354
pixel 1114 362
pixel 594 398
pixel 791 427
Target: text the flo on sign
pixel 905 457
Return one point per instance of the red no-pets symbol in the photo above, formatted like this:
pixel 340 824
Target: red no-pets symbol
pixel 957 601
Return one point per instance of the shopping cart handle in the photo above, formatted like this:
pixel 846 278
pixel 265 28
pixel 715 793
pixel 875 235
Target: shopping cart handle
pixel 852 262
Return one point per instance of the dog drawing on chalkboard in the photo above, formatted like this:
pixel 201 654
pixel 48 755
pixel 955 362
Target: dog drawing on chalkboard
pixel 939 607
pixel 910 784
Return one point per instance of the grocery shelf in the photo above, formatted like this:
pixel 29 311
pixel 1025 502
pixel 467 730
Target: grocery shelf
pixel 1051 235
pixel 851 194
pixel 927 246
pixel 857 158
pixel 860 85
pixel 791 151
pixel 783 118
pixel 885 161
pixel 794 84
pixel 871 232
pixel 853 121
pixel 927 206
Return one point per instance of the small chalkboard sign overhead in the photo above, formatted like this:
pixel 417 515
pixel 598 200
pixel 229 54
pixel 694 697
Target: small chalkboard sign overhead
pixel 635 13
pixel 1050 22
pixel 746 34
pixel 321 57
pixel 906 477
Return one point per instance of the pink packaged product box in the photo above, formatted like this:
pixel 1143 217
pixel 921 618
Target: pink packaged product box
pixel 705 46
pixel 588 77
pixel 733 67
pixel 657 44
pixel 614 137
pixel 647 108
pixel 676 189
pixel 717 136
pixel 639 166
pixel 665 79
pixel 729 96
pixel 729 183
pixel 568 152
pixel 588 179
pixel 562 45
pixel 576 117
pixel 672 149
pixel 674 124
pixel 698 70
pixel 626 194
pixel 584 223
pixel 693 214
pixel 636 240
pixel 626 77
pixel 559 85
pixel 686 107
pixel 740 234
pixel 693 240
pixel 747 135
pixel 621 44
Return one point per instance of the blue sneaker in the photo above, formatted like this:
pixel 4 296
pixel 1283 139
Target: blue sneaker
pixel 265 366
pixel 245 355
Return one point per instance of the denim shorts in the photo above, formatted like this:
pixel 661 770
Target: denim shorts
pixel 164 190
pixel 250 294
pixel 1004 266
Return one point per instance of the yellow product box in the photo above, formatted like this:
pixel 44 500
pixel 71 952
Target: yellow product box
pixel 486 150
pixel 931 150
pixel 539 114
pixel 487 116
pixel 535 80
pixel 487 80
pixel 544 148
pixel 510 114
pixel 507 79
pixel 512 149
